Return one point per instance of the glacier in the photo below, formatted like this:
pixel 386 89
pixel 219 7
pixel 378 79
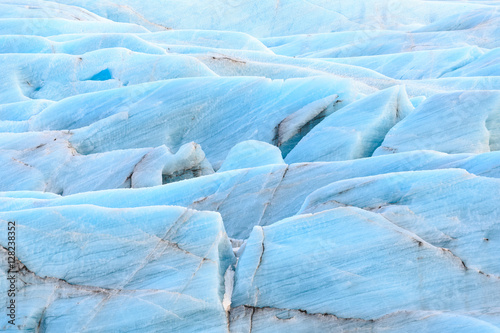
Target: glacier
pixel 250 166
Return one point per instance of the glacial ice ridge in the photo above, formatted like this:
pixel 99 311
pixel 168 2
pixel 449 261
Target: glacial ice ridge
pixel 250 166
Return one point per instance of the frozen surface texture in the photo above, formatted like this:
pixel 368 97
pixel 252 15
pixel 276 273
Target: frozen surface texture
pixel 149 266
pixel 250 166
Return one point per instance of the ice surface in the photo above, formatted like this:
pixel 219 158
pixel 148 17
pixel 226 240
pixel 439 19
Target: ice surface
pixel 269 320
pixel 54 26
pixel 466 122
pixel 422 64
pixel 167 112
pixel 45 76
pixel 432 204
pixel 126 249
pixel 251 153
pixel 251 166
pixel 264 194
pixel 46 161
pixel 356 257
pixel 354 131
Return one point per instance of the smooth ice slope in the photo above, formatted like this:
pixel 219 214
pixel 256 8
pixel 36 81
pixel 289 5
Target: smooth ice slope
pixel 251 153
